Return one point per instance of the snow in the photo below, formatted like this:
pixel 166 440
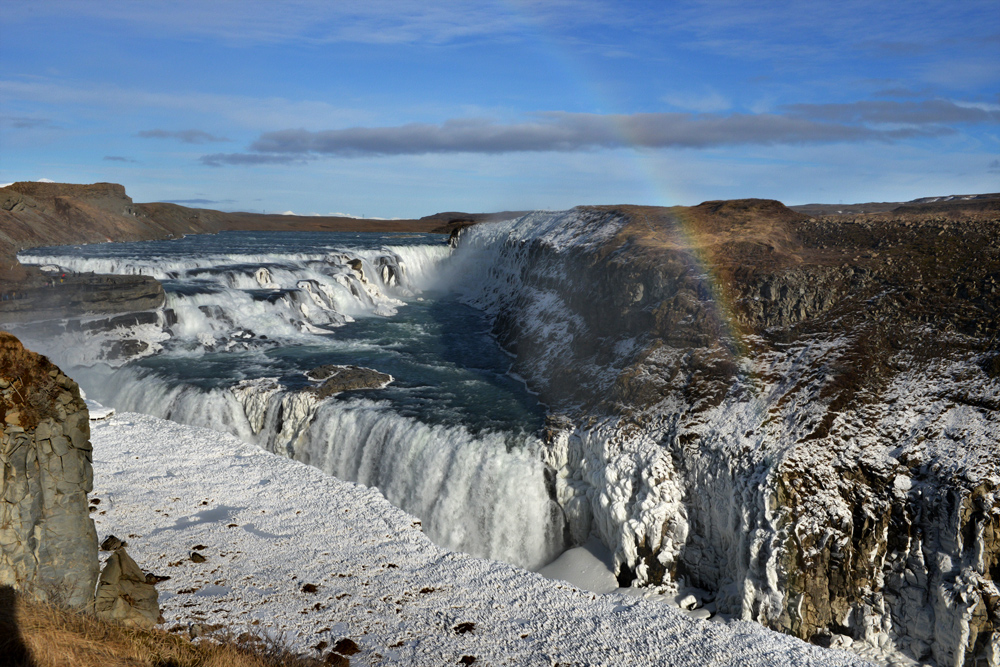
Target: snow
pixel 98 411
pixel 588 567
pixel 268 525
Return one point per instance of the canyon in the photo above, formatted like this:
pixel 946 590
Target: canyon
pixel 797 415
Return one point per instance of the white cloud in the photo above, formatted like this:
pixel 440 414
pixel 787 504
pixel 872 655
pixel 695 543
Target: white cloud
pixel 251 112
pixel 45 180
pixel 704 102
pixel 321 21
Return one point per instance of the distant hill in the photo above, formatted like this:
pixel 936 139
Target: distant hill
pixel 948 202
pixel 41 214
pixel 451 220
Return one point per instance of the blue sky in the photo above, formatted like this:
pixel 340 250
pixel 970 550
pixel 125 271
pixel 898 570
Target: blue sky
pixel 402 109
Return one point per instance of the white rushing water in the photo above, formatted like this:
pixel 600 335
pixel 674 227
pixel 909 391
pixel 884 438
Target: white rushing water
pixel 244 321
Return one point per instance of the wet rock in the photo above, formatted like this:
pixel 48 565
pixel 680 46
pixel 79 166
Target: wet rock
pixel 346 646
pixel 346 378
pixel 126 349
pixel 81 294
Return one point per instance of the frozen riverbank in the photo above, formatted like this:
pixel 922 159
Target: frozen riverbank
pixel 267 526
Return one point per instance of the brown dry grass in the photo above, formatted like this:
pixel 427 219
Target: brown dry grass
pixel 32 388
pixel 33 634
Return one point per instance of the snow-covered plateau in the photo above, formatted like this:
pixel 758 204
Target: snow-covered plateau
pixel 297 555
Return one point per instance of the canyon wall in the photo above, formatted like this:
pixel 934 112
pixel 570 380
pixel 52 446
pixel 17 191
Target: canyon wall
pixel 798 415
pixel 48 543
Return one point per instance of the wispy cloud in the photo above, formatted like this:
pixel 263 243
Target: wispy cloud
pixel 184 136
pixel 321 21
pixel 119 158
pixel 197 201
pixel 886 111
pixel 704 102
pixel 250 159
pixel 242 110
pixel 26 122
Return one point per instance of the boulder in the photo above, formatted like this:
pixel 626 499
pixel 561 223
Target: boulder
pixel 124 596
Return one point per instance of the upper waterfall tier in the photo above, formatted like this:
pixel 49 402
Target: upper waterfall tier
pixel 445 433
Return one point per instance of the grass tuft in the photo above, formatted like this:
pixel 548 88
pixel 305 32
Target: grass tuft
pixel 34 634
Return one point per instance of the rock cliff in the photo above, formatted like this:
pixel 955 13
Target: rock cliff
pixel 48 544
pixel 798 415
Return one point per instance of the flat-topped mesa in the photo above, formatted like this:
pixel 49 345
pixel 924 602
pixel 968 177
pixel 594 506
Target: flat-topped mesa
pixel 110 197
pixel 48 543
pixel 798 415
pixel 38 214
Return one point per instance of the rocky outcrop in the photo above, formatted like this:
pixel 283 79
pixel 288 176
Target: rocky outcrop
pixel 124 595
pixel 797 415
pixel 73 295
pixel 336 379
pixel 48 544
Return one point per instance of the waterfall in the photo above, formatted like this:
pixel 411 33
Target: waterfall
pixel 231 311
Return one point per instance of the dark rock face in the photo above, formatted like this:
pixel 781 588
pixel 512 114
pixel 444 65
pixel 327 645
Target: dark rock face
pixel 78 294
pixel 794 414
pixel 48 544
pixel 346 378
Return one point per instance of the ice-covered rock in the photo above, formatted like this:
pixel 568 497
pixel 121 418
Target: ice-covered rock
pixel 376 579
pixel 762 411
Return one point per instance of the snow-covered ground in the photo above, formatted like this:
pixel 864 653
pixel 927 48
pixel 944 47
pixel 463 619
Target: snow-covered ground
pixel 272 529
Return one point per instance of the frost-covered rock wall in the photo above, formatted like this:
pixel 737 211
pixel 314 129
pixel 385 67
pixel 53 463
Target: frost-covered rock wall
pixel 803 437
pixel 48 544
